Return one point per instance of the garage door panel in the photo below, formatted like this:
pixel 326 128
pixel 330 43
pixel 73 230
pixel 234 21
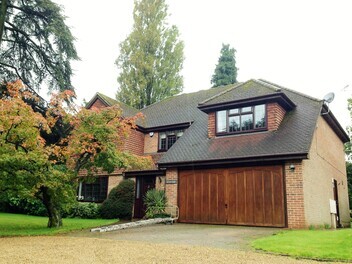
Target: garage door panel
pixel 249 190
pixel 258 197
pixel 268 199
pixel 240 197
pixel 221 214
pixel 205 205
pixel 198 195
pixel 243 196
pixel 231 192
pixel 190 198
pixel 213 197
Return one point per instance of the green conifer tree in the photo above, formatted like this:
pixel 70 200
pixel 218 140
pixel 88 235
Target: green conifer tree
pixel 226 70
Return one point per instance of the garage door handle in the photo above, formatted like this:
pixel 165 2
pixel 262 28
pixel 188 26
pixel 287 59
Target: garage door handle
pixel 226 206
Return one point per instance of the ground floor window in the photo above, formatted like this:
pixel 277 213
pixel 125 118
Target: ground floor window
pixel 93 191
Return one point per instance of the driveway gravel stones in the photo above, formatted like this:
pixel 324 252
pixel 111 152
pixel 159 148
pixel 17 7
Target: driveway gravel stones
pixel 59 249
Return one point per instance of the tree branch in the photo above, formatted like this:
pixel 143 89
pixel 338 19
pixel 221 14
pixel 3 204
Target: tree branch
pixel 29 12
pixel 3 9
pixel 16 144
pixel 37 48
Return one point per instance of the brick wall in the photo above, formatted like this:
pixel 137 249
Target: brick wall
pixel 275 114
pixel 113 181
pixel 151 143
pixel 134 143
pixel 294 195
pixel 160 183
pixel 97 104
pixel 326 162
pixel 171 189
pixel 211 125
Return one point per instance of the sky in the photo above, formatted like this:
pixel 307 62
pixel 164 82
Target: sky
pixel 302 45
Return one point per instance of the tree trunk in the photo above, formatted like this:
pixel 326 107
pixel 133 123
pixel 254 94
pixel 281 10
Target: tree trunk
pixel 3 9
pixel 54 214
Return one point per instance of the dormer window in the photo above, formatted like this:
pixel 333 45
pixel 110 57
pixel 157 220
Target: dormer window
pixel 240 120
pixel 168 138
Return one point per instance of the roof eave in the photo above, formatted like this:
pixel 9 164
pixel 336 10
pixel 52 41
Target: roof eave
pixel 130 174
pixel 278 97
pixel 166 127
pixel 243 160
pixel 334 124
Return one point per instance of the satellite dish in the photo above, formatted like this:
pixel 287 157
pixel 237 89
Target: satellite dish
pixel 329 97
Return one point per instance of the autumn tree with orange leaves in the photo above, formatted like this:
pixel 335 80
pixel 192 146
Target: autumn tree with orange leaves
pixel 43 147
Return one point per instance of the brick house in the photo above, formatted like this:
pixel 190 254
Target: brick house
pixel 253 153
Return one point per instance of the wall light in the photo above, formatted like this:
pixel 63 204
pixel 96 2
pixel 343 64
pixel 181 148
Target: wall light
pixel 292 168
pixel 151 134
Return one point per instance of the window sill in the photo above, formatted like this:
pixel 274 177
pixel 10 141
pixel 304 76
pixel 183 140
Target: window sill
pixel 241 132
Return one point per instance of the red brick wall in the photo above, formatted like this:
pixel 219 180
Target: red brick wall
pixel 211 125
pixel 275 115
pixel 97 104
pixel 171 189
pixel 114 181
pixel 295 195
pixel 135 143
pixel 151 143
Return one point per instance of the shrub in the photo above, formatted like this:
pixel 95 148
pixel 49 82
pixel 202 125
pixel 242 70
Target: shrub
pixel 119 203
pixel 155 201
pixel 28 205
pixel 85 210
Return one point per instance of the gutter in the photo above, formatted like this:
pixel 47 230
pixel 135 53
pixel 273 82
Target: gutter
pixel 244 160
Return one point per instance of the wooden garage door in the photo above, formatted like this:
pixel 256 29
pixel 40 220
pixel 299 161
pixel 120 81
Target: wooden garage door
pixel 238 196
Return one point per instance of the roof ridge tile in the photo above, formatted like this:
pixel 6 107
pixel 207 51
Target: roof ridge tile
pixel 223 92
pixel 267 83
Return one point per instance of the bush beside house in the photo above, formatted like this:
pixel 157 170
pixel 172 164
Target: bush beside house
pixel 84 210
pixel 16 205
pixel 119 203
pixel 155 201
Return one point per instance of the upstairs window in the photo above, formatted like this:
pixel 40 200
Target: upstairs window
pixel 237 120
pixel 168 138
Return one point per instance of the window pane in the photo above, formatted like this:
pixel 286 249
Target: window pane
pixel 170 141
pixel 246 109
pixel 259 116
pixel 234 111
pixel 247 122
pixel 162 140
pixel 162 143
pixel 234 123
pixel 221 121
pixel 96 191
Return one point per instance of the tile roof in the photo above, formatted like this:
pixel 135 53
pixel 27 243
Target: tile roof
pixel 178 109
pixel 293 136
pixel 127 110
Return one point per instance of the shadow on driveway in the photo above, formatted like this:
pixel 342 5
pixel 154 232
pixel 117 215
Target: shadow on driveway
pixel 218 236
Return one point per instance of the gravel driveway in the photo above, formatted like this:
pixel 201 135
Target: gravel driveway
pixel 218 236
pixel 59 249
pixel 178 243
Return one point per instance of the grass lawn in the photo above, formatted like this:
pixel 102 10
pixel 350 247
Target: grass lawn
pixel 26 225
pixel 316 244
